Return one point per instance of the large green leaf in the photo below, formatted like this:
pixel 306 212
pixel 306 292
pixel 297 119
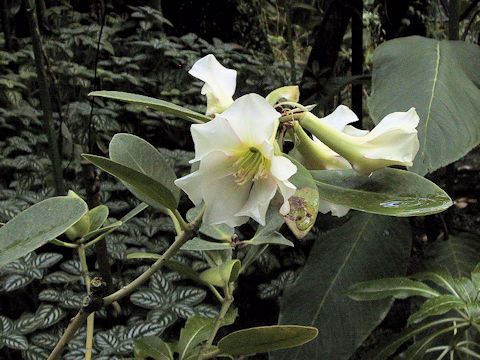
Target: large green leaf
pixel 153 103
pixel 152 191
pixel 137 154
pixel 459 254
pixel 386 192
pixel 441 79
pixel 37 225
pixel 366 247
pixel 266 338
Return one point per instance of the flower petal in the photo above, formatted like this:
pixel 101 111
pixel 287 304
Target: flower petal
pixel 282 168
pixel 252 118
pixel 213 166
pixel 223 200
pixel 262 192
pixel 340 117
pixel 220 82
pixel 214 135
pixel 337 210
pixel 287 189
pixel 406 121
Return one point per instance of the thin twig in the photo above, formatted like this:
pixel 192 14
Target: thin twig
pixel 470 23
pixel 69 333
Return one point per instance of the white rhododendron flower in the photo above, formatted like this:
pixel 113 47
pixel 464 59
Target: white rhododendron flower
pixel 220 83
pixel 239 172
pixel 393 141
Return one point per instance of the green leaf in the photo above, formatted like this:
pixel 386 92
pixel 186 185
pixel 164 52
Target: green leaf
pixel 197 329
pixel 37 225
pixel 152 192
pixel 399 288
pixel 440 276
pixel 15 341
pixel 304 203
pixel 152 347
pixel 223 274
pixel 436 306
pixel 219 232
pixel 266 338
pixel 459 254
pixel 268 234
pixel 96 232
pixel 137 154
pixel 204 245
pixel 386 192
pixel 366 247
pixel 426 74
pixel 49 315
pixel 153 103
pixel 97 216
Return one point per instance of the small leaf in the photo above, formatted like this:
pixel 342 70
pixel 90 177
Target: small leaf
pixel 145 329
pixel 97 216
pixel 223 274
pixel 26 324
pixel 45 260
pixel 49 315
pixel 266 338
pixel 14 282
pixel 269 234
pixel 273 238
pixel 436 306
pixel 198 244
pixel 153 103
pixel 152 191
pixel 399 288
pixel 147 299
pixel 96 232
pixel 15 341
pixel 37 225
pixel 152 347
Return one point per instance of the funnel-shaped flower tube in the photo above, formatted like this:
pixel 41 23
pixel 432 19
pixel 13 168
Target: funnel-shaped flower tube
pixel 239 172
pixel 393 141
pixel 220 83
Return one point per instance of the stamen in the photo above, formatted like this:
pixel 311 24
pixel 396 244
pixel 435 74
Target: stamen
pixel 250 166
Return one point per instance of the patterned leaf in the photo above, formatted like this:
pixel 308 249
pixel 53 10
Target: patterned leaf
pixel 15 341
pixel 15 281
pixel 183 310
pixel 105 340
pixel 44 340
pixel 49 314
pixel 45 260
pixel 189 295
pixel 6 325
pixel 26 324
pixel 49 295
pixel 161 317
pixel 147 299
pixel 60 277
pixel 35 353
pixel 146 329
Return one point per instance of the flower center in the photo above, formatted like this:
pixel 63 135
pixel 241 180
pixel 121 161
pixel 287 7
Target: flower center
pixel 251 165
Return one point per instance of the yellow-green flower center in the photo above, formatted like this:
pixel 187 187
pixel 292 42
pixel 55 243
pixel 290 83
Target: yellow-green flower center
pixel 250 165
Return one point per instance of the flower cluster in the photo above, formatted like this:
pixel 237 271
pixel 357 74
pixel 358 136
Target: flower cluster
pixel 241 167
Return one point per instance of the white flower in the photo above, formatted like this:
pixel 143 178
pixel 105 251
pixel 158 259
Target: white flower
pixel 239 173
pixel 220 83
pixel 393 141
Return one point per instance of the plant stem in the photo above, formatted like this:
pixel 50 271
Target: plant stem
pixel 183 224
pixel 91 317
pixel 47 123
pixel 181 239
pixel 227 301
pixel 69 333
pixel 63 243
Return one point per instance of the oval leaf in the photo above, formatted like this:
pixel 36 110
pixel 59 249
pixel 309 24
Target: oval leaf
pixel 37 225
pixel 138 154
pixel 152 191
pixel 426 73
pixel 153 103
pixel 386 192
pixel 98 215
pixel 204 245
pixel 222 274
pixel 266 338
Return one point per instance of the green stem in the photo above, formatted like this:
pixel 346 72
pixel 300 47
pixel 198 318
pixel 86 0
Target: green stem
pixel 210 354
pixel 216 293
pixel 227 301
pixel 183 224
pixel 181 239
pixel 63 243
pixel 176 223
pixel 91 317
